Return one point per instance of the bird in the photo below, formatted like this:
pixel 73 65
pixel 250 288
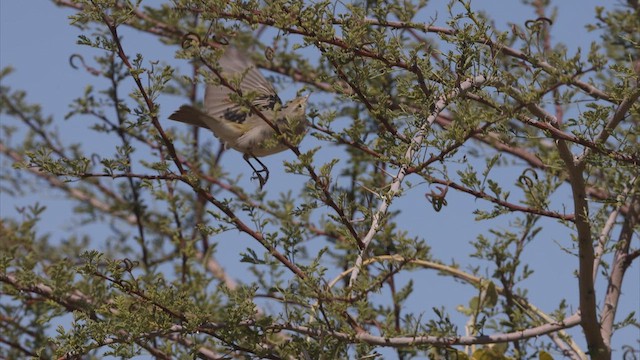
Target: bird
pixel 240 127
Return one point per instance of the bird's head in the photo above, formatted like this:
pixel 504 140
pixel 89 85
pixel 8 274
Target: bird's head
pixel 297 107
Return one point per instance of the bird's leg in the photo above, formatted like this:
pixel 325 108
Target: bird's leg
pixel 257 173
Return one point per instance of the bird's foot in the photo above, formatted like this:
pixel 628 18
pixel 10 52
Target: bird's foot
pixel 257 174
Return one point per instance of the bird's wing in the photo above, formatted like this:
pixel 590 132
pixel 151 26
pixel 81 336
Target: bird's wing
pixel 236 65
pixel 251 142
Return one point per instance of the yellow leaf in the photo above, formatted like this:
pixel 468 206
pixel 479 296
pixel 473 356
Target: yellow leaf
pixel 543 355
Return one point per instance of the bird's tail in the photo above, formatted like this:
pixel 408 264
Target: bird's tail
pixel 190 115
pixel 228 131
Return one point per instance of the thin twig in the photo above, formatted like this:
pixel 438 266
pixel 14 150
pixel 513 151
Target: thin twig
pixel 412 149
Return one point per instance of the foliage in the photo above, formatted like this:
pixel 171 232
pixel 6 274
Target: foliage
pixel 400 107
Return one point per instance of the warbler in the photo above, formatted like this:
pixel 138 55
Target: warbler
pixel 243 128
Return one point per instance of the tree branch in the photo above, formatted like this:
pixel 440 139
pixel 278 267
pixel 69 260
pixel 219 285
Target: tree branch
pixel 619 268
pixel 412 149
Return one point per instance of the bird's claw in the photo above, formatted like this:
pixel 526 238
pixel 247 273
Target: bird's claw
pixel 257 174
pixel 262 180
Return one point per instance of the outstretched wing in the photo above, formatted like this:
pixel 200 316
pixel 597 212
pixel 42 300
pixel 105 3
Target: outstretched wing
pixel 236 65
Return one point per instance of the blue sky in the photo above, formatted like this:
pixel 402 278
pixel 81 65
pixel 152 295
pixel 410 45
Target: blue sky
pixel 40 56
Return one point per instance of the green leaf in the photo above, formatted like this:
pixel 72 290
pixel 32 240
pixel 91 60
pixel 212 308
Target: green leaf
pixel 491 295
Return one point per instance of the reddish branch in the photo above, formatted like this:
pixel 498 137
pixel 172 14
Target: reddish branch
pixel 80 302
pixel 172 152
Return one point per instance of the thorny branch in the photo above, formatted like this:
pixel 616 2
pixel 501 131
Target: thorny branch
pixel 547 123
pixel 174 156
pixel 412 149
pixel 81 302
